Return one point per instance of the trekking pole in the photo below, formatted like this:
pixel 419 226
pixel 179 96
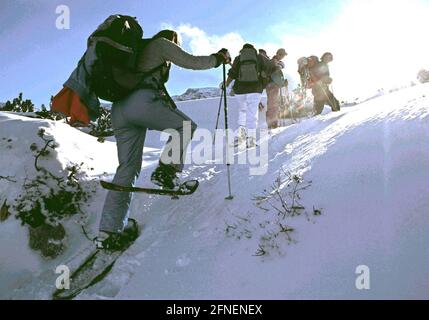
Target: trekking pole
pixel 228 165
pixel 218 116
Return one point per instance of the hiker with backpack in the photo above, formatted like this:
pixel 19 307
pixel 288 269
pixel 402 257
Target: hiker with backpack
pixel 320 81
pixel 122 67
pixel 273 90
pixel 150 107
pixel 246 71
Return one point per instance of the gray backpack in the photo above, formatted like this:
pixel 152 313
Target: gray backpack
pixel 248 70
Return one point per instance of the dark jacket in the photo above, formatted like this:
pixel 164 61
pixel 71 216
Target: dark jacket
pixel 79 82
pixel 266 66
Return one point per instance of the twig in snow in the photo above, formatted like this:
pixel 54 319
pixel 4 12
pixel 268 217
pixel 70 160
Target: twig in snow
pixel 8 178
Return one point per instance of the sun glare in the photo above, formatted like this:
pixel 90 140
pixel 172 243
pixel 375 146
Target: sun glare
pixel 376 44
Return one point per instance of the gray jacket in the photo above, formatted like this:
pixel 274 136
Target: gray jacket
pixel 158 52
pixel 164 52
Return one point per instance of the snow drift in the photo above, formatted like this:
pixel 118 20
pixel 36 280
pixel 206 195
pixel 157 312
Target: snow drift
pixel 367 167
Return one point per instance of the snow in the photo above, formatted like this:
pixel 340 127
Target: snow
pixel 18 263
pixel 368 167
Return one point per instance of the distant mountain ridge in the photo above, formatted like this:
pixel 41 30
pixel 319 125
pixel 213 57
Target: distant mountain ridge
pixel 198 93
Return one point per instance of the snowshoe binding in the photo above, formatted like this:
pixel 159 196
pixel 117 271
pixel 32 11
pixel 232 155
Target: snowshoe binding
pixel 112 242
pixel 165 176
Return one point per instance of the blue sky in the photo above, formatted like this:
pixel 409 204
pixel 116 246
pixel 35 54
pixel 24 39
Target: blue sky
pixel 376 43
pixel 36 57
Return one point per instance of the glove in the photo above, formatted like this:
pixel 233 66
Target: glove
pixel 281 64
pixel 221 85
pixel 222 57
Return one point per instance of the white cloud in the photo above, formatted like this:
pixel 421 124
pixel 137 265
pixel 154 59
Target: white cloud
pixel 202 43
pixel 376 44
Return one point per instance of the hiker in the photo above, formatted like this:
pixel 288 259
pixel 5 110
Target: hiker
pixel 266 78
pixel 320 81
pixel 263 52
pixel 149 107
pixel 246 71
pixel 273 90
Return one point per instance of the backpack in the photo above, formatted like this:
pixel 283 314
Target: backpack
pixel 118 41
pixel 302 63
pixel 278 78
pixel 304 69
pixel 248 70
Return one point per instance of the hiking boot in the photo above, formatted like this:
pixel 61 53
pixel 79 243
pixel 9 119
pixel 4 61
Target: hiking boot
pixel 131 231
pixel 113 242
pixel 165 176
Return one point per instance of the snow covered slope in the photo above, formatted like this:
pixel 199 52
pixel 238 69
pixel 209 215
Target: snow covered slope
pixel 368 167
pixel 18 263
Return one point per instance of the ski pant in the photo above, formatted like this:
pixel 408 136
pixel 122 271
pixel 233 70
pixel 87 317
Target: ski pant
pixel 131 117
pixel 323 96
pixel 273 105
pixel 248 110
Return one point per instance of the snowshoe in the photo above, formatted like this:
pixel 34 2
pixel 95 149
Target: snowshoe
pixel 112 242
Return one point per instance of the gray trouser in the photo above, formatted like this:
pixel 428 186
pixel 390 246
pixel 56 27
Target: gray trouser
pixel 131 117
